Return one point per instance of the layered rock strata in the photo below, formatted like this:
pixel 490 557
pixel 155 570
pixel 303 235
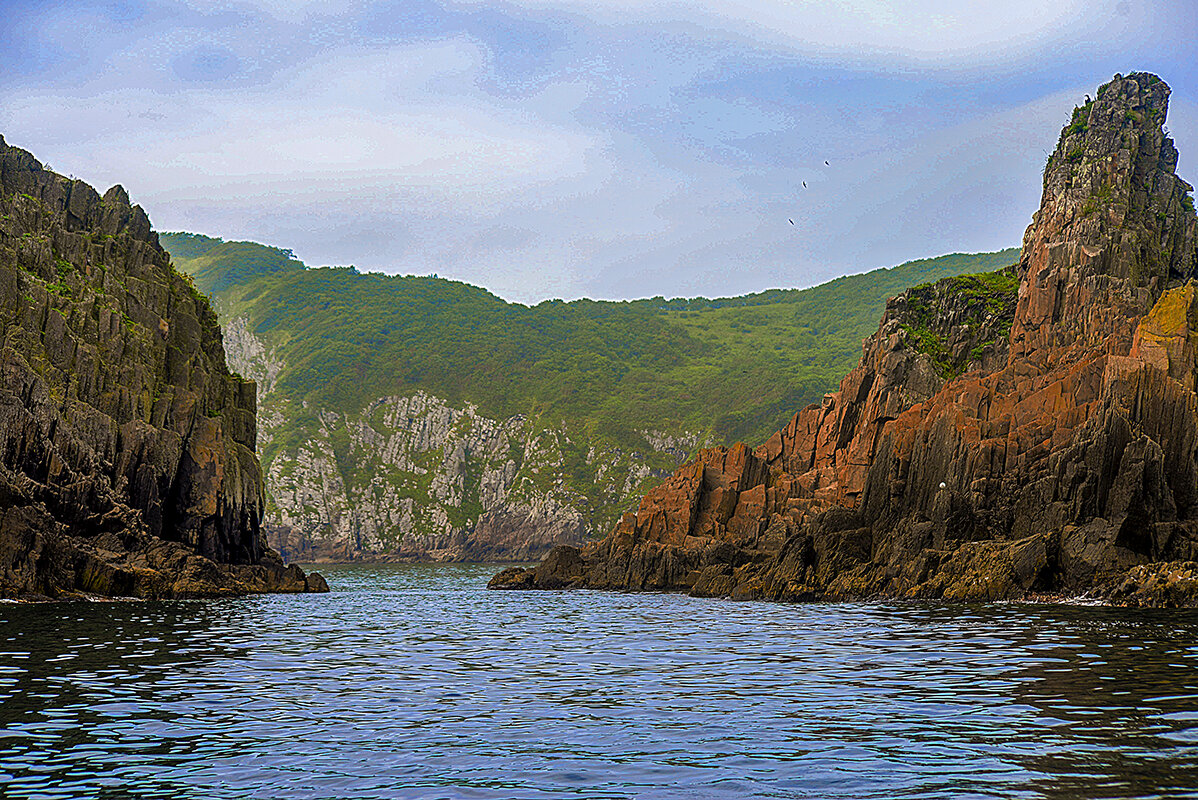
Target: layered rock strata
pixel 127 463
pixel 990 444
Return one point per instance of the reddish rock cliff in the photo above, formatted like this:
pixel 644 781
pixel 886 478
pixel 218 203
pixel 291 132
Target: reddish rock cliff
pixel 991 444
pixel 127 461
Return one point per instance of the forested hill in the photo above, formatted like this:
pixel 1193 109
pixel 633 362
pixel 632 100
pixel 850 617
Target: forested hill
pixel 734 368
pixel 420 417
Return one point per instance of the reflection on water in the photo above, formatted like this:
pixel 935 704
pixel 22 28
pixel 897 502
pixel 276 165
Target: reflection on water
pixel 414 681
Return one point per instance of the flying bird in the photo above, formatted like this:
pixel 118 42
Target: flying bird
pixel 826 164
pixel 804 184
pixel 791 221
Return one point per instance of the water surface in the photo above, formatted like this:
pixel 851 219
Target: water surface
pixel 414 681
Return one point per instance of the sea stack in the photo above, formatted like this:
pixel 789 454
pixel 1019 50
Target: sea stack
pixel 127 464
pixel 1033 433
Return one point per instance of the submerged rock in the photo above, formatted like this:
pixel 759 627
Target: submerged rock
pixel 999 438
pixel 127 463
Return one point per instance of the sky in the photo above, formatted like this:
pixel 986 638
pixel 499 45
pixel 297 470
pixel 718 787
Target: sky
pixel 582 148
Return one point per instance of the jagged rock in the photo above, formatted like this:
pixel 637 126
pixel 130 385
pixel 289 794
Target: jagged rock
pixel 127 461
pixel 517 533
pixel 990 444
pixel 1169 585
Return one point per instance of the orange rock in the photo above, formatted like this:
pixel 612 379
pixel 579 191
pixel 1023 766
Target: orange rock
pixel 1064 456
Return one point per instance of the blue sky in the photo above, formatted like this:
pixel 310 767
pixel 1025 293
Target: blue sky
pixel 568 148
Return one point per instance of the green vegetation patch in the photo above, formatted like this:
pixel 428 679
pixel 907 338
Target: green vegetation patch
pixel 732 368
pixel 217 265
pixel 989 300
pixel 1098 200
pixel 1080 121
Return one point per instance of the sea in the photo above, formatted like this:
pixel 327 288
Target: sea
pixel 415 681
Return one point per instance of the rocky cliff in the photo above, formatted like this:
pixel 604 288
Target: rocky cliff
pixel 416 478
pixel 127 461
pixel 413 417
pixel 995 441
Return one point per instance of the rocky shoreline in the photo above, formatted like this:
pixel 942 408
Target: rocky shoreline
pixel 1000 438
pixel 1167 585
pixel 127 448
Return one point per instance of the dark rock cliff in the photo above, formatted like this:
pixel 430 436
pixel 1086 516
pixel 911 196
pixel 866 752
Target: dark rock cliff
pixel 991 444
pixel 127 461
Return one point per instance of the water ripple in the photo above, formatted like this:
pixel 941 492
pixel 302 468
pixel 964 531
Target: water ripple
pixel 413 681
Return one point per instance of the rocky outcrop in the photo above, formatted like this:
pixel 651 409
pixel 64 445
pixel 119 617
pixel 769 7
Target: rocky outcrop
pixel 127 461
pixel 384 454
pixel 990 444
pixel 416 478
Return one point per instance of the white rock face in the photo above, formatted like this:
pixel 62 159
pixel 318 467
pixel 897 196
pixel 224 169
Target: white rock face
pixel 679 445
pixel 413 476
pixel 248 355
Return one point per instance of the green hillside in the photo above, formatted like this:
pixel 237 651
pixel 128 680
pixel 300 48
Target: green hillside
pixel 736 368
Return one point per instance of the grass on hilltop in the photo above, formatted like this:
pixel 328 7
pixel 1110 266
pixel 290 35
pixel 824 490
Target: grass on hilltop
pixel 735 368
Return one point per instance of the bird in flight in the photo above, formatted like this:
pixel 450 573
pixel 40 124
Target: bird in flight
pixel 791 221
pixel 804 184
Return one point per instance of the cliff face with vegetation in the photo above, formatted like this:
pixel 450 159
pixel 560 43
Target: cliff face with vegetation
pixel 413 477
pixel 127 462
pixel 413 417
pixel 991 443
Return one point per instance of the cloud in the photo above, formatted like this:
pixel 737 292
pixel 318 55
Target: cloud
pixel 292 11
pixel 565 148
pixel 1183 127
pixel 342 122
pixel 948 33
